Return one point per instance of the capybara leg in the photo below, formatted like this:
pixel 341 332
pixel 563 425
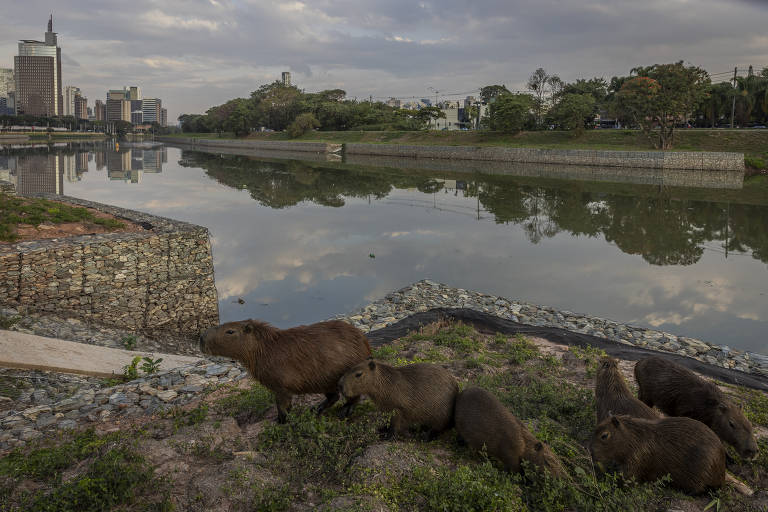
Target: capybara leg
pixel 350 404
pixel 283 401
pixel 330 399
pixel 431 434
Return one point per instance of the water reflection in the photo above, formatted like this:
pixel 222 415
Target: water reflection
pixel 44 169
pixel 292 239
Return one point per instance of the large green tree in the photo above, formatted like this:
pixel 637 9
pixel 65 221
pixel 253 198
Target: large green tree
pixel 574 112
pixel 663 95
pixel 511 113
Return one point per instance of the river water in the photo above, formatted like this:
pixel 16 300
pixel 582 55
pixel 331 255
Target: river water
pixel 296 242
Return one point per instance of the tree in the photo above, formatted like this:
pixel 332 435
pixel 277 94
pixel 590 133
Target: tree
pixel 427 114
pixel 491 92
pixel 662 95
pixel 302 124
pixel 544 86
pixel 574 112
pixel 511 113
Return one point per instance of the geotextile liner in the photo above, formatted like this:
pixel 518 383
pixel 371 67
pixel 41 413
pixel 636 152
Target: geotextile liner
pixel 490 324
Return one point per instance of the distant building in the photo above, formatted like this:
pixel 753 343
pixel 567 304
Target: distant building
pixel 286 78
pixel 81 107
pixel 89 112
pixel 137 113
pixel 134 93
pixel 394 102
pixel 99 111
pixel 163 117
pixel 7 84
pixel 70 91
pixel 118 110
pixel 151 110
pixel 37 74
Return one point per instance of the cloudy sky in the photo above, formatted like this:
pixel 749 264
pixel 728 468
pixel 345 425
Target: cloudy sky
pixel 197 53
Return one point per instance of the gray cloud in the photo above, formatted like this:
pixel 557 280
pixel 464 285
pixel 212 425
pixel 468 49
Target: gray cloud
pixel 198 53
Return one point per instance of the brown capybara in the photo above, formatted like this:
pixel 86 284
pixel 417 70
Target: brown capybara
pixel 483 421
pixel 647 450
pixel 420 394
pixel 299 360
pixel 613 396
pixel 677 391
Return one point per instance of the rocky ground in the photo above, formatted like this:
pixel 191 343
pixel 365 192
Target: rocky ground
pixel 204 438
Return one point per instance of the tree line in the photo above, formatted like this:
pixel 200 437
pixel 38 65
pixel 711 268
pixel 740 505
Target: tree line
pixel 655 99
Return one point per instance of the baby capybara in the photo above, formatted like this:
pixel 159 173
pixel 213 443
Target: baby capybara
pixel 677 391
pixel 420 394
pixel 613 396
pixel 483 421
pixel 646 450
pixel 299 360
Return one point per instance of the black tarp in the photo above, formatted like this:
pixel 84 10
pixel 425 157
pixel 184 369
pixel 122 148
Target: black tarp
pixel 487 323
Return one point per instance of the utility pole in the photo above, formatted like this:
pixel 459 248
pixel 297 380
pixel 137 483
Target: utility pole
pixel 733 105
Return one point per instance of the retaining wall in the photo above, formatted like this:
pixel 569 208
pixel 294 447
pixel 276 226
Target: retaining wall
pixel 636 175
pixel 161 278
pixel 707 161
pixel 308 147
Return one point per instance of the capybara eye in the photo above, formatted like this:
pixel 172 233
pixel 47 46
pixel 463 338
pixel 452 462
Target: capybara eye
pixel 604 436
pixel 731 423
pixel 359 374
pixel 230 331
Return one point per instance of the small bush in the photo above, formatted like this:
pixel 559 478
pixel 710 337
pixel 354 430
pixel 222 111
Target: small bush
pixel 302 124
pixel 754 162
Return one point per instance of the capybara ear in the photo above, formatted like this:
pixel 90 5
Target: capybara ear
pixel 539 446
pixel 248 327
pixel 371 364
pixel 723 406
pixel 615 421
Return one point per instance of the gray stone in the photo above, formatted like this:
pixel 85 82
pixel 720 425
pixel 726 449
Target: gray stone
pixel 33 412
pixel 167 396
pixel 67 425
pixel 29 434
pixel 216 370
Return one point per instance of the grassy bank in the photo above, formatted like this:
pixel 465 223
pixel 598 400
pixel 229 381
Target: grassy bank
pixel 61 136
pixel 199 457
pixel 753 143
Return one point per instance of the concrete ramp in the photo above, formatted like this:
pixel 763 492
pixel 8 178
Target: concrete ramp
pixel 19 350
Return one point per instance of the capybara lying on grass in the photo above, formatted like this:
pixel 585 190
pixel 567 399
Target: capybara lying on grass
pixel 677 391
pixel 482 420
pixel 304 359
pixel 614 396
pixel 420 394
pixel 646 450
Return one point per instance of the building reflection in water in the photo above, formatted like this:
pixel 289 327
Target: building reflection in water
pixel 40 170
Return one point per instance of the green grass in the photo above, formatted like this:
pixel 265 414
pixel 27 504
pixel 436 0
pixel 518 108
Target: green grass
pixel 459 337
pixel 750 142
pixel 16 210
pixel 254 401
pixel 106 473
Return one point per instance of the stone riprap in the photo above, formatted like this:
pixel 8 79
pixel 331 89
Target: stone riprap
pixel 6 187
pixel 161 278
pixel 426 295
pixel 39 410
pixel 704 161
pixel 304 147
pixel 639 176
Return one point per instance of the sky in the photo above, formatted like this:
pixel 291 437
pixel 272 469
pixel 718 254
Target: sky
pixel 194 54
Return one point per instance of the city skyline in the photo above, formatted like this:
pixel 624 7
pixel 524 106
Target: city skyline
pixel 206 52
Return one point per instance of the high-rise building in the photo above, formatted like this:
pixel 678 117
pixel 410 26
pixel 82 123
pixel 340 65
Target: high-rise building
pixel 70 91
pixel 81 107
pixel 287 78
pixel 99 111
pixel 151 109
pixel 7 84
pixel 163 117
pixel 118 107
pixel 134 93
pixel 137 114
pixel 37 70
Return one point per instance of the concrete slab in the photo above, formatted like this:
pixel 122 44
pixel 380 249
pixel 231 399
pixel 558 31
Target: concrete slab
pixel 19 350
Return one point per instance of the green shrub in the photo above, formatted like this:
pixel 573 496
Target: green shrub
pixel 754 162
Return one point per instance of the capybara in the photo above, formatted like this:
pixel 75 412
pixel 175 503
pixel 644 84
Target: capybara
pixel 613 396
pixel 646 450
pixel 420 394
pixel 677 391
pixel 304 359
pixel 483 421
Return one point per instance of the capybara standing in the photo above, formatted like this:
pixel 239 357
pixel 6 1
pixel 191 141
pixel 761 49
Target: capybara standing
pixel 420 394
pixel 483 421
pixel 677 391
pixel 646 450
pixel 613 396
pixel 304 359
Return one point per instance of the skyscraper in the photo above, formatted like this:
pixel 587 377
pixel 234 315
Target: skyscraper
pixel 70 91
pixel 99 111
pixel 38 76
pixel 6 82
pixel 81 107
pixel 287 78
pixel 151 108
